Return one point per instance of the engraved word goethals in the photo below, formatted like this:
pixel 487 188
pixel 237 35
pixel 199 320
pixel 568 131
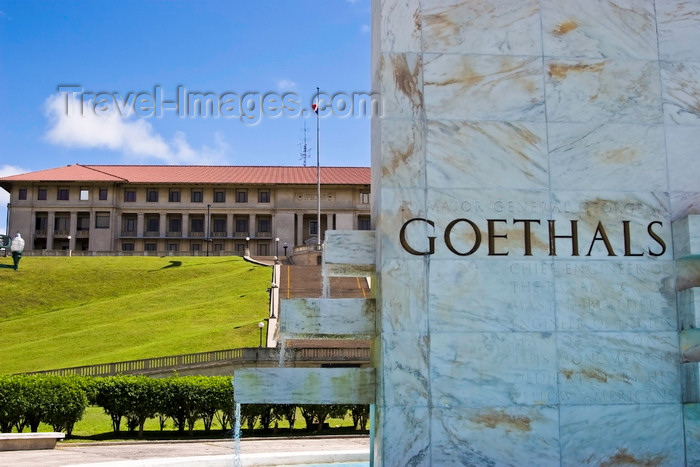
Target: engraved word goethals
pixel 492 234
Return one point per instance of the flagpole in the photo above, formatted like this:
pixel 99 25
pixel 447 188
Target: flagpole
pixel 318 169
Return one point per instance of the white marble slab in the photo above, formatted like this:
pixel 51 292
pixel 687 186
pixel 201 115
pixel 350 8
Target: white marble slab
pixel 491 295
pixel 403 296
pixel 594 156
pixel 686 237
pixel 581 28
pixel 690 345
pixel 399 205
pixel 618 368
pixel 315 318
pixel 681 92
pixel 689 308
pixel 349 247
pixel 405 376
pixel 403 164
pixel 405 434
pixel 615 296
pixel 650 434
pixel 493 369
pixel 462 154
pixel 401 85
pixel 678 22
pixel 478 27
pixel 304 386
pixel 691 423
pixel 690 379
pixel 396 25
pixel 516 436
pixel 587 91
pixel 683 169
pixel 480 87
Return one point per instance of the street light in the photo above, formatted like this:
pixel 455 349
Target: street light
pixel 285 248
pixel 277 249
pixel 17 247
pixel 69 250
pixel 261 325
pixel 247 246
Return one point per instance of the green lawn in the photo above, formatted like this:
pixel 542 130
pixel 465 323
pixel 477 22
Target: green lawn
pixel 63 312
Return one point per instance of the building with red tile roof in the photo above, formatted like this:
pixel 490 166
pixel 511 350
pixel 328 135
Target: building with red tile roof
pixel 168 209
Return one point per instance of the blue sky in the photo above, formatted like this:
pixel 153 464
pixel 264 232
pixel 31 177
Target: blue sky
pixel 236 51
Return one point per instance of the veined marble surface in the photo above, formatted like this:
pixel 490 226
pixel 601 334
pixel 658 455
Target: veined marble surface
pixel 683 169
pixel 678 22
pixel 689 308
pixel 581 28
pixel 681 92
pixel 691 422
pixel 650 434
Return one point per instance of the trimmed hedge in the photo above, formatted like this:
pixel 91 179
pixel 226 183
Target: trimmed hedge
pixel 60 401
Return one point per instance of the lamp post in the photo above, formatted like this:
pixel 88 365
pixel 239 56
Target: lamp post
pixel 277 249
pixel 70 253
pixel 247 246
pixel 17 247
pixel 261 325
pixel 285 248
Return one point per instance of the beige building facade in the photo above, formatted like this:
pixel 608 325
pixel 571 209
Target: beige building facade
pixel 181 210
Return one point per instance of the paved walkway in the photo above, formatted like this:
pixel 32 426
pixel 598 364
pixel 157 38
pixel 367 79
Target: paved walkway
pixel 254 452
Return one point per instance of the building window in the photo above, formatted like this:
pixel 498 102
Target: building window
pixel 152 224
pixel 102 220
pixel 152 195
pixel 42 194
pixel 62 224
pixel 196 247
pixel 218 247
pixel 313 228
pixel 84 194
pixel 219 196
pixel 220 225
pixel 241 225
pixel 197 196
pixel 173 247
pixel 103 194
pixel 241 196
pixel 364 197
pixel 150 247
pixel 197 225
pixel 264 196
pixel 62 194
pixel 127 246
pixel 129 224
pixel 364 223
pixel 22 193
pixel 263 249
pixel 264 225
pixel 83 222
pixel 41 222
pixel 174 196
pixel 129 196
pixel 174 224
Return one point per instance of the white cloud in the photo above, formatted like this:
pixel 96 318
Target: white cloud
pixel 6 171
pixel 135 138
pixel 286 85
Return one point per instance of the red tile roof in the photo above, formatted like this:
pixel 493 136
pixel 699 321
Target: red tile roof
pixel 199 174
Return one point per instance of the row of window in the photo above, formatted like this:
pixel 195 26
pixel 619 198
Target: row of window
pixel 262 249
pixel 62 194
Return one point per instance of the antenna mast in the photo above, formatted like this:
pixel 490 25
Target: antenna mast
pixel 304 148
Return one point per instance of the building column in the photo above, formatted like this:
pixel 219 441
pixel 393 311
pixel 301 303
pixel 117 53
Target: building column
pixel 163 225
pixel 300 230
pixel 50 226
pixel 139 225
pixel 185 224
pixel 230 232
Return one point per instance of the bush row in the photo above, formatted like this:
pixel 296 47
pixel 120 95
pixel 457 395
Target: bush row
pixel 60 401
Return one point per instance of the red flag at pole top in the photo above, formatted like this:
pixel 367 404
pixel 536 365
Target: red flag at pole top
pixel 314 107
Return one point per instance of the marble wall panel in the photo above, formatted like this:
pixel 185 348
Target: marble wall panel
pixel 405 369
pixel 491 295
pixel 397 24
pixel 477 27
pixel 615 295
pixel 593 435
pixel 689 308
pixel 401 85
pixel 404 296
pixel 479 87
pixel 403 164
pixel 683 169
pixel 691 423
pixel 462 154
pixel 350 247
pixel 686 237
pixel 608 211
pixel 580 28
pixel 493 369
pixel 397 207
pixel 681 92
pixel 678 23
pixel 618 368
pixel 496 436
pixel 503 207
pixel 586 91
pixel 690 377
pixel 592 156
pixel 314 318
pixel 405 434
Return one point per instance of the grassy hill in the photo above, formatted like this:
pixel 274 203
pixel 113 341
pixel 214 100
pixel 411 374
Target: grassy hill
pixel 62 312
